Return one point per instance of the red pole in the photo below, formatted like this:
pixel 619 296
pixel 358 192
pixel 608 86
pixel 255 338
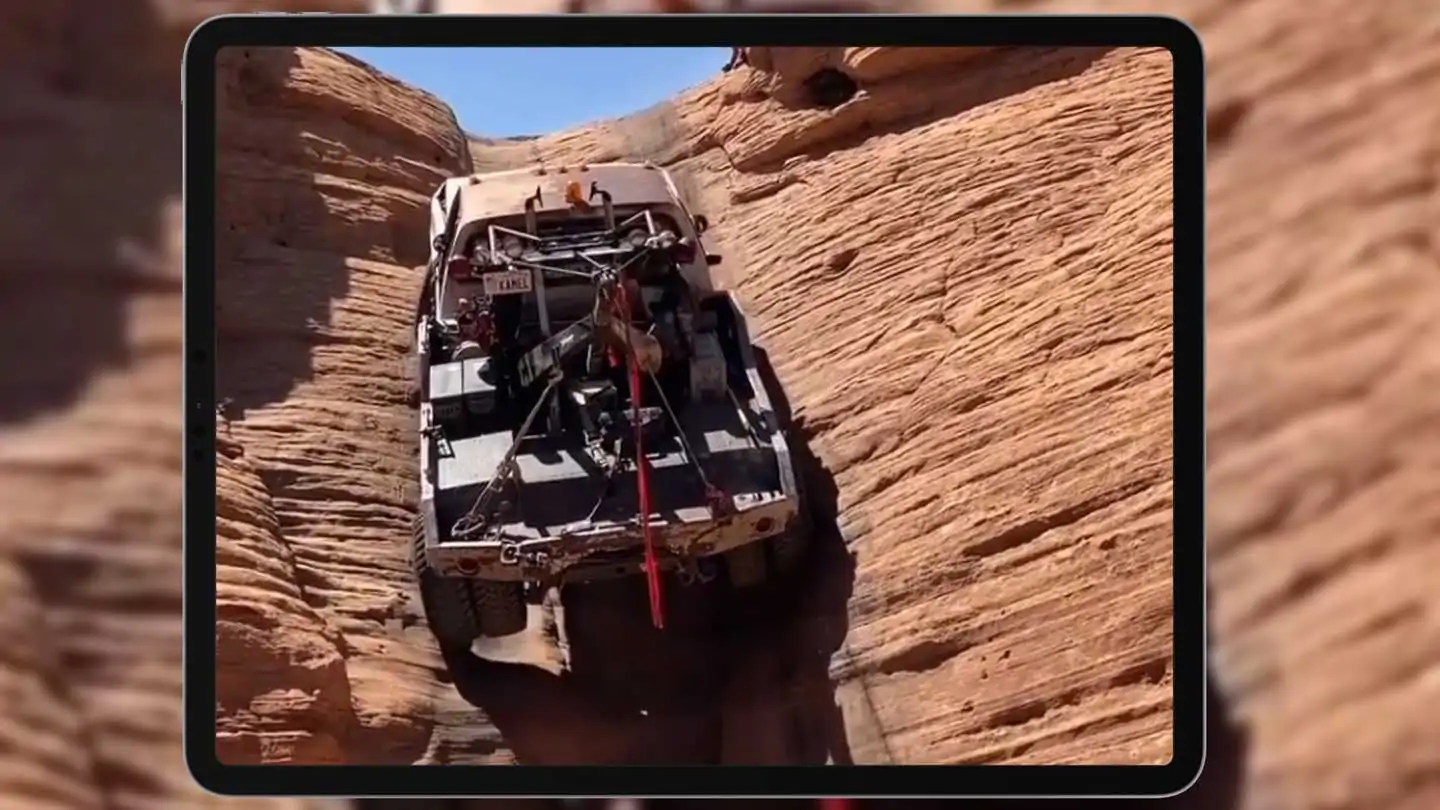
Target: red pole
pixel 642 472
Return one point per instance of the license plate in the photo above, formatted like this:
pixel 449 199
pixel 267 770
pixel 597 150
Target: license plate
pixel 508 282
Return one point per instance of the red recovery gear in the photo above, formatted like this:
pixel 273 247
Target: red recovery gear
pixel 642 472
pixel 476 323
pixel 482 329
pixel 836 804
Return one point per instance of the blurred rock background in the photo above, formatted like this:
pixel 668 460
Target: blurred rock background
pixel 1323 371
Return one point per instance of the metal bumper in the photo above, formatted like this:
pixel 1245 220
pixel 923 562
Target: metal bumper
pixel 605 550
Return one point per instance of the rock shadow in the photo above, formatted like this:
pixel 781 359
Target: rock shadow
pixel 278 267
pixel 89 171
pixel 1220 787
pixel 282 239
pixel 734 678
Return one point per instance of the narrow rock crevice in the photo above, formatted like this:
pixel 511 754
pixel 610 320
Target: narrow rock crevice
pixel 864 374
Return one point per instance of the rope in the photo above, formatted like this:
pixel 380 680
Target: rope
pixel 475 520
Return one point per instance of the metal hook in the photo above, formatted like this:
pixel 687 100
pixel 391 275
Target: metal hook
pixel 693 570
pixel 510 553
pixel 706 570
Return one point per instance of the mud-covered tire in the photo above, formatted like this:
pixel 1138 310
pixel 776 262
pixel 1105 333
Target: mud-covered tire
pixel 779 556
pixel 449 609
pixel 459 611
pixel 787 550
pixel 499 607
pixel 746 566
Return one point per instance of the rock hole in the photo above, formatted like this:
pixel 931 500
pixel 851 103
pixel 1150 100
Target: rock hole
pixel 829 88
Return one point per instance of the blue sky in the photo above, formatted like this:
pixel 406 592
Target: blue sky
pixel 500 92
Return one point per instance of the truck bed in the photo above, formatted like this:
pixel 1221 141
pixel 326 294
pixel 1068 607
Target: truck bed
pixel 559 483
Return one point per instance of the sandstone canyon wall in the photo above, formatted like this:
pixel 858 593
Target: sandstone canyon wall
pixel 962 278
pixel 324 170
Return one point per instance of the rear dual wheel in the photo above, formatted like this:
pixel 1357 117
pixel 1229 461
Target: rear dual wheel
pixel 781 555
pixel 460 610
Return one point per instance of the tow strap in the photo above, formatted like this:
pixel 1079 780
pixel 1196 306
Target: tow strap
pixel 642 470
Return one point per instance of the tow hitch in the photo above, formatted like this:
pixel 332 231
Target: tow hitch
pixel 697 570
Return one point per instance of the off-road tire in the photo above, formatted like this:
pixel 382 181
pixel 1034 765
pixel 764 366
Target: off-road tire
pixel 746 566
pixel 781 555
pixel 499 607
pixel 787 550
pixel 449 609
pixel 460 610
